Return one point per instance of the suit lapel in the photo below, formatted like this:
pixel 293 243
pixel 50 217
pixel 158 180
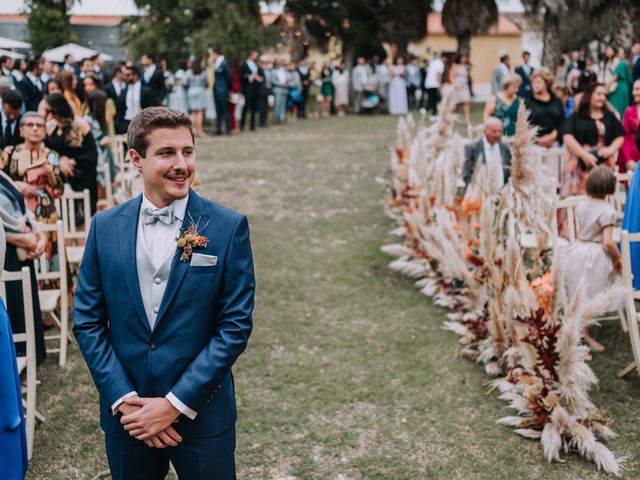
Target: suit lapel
pixel 195 213
pixel 128 233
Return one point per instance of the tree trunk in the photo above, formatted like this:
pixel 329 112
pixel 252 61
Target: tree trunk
pixel 551 38
pixel 464 43
pixel 624 36
pixel 348 55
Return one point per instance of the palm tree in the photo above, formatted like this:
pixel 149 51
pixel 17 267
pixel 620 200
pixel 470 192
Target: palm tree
pixel 463 19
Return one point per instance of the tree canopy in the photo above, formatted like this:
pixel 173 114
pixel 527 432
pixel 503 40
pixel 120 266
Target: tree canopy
pixel 48 23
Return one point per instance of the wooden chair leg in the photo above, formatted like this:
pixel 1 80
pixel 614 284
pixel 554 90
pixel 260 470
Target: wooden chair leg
pixel 626 370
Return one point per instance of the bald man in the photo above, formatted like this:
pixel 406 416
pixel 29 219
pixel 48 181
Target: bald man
pixel 494 153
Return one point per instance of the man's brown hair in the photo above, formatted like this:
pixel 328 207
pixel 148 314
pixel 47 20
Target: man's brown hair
pixel 153 118
pixel 601 182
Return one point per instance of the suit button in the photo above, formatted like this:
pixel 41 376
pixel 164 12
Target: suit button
pixel 157 281
pixel 153 346
pixel 156 309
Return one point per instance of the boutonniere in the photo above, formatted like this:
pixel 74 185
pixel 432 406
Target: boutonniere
pixel 190 239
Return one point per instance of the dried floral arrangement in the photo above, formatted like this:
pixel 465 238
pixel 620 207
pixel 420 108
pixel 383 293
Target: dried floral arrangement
pixel 507 302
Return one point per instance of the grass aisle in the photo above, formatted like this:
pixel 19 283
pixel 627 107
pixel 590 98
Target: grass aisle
pixel 348 374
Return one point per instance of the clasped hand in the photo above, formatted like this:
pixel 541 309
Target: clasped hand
pixel 150 420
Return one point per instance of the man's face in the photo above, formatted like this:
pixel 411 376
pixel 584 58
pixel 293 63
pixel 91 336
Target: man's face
pixel 169 166
pixel 635 49
pixel 360 60
pixel 493 132
pixel 10 113
pixel 33 130
pixel 253 56
pixel 145 60
pixel 130 76
pixel 87 66
pixel 8 63
pixel 525 58
pixel 46 66
pixel 70 60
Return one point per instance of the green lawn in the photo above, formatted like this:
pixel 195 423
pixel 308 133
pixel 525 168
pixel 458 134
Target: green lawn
pixel 348 374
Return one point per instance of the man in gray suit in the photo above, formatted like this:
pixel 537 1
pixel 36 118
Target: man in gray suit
pixel 499 73
pixel 493 153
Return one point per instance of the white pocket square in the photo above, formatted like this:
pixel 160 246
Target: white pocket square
pixel 202 260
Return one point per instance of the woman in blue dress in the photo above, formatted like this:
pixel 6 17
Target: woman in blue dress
pixel 13 438
pixel 631 220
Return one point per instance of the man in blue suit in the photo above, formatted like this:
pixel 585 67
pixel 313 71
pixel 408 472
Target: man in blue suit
pixel 525 70
pixel 162 311
pixel 223 83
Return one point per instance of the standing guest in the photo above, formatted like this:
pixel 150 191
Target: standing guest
pixel 564 94
pixel 100 120
pixel 117 91
pixel 340 81
pixel 221 89
pixel 35 169
pixel 574 57
pixel 25 243
pixel 252 76
pixel 19 70
pixel 98 69
pixel 31 86
pixel 629 154
pixel 414 79
pixel 71 137
pixel 303 73
pixel 13 435
pixel 547 112
pixel 266 89
pixel 153 87
pixel 294 93
pixel 69 64
pixel 6 64
pixel 326 90
pixel 504 105
pixel 86 69
pixel 280 91
pixel 235 96
pixel 614 75
pixel 313 106
pixel 398 104
pixel 46 67
pixel 69 83
pixel 52 86
pixel 132 96
pixel 593 261
pixel 575 74
pixel 383 74
pixel 90 83
pixel 433 83
pixel 359 79
pixel 525 71
pixel 459 78
pixel 424 70
pixel 10 116
pixel 499 73
pixel 196 83
pixel 495 156
pixel 635 61
pixel 593 135
pixel 178 97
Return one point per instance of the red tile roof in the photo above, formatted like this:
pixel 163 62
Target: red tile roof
pixel 503 27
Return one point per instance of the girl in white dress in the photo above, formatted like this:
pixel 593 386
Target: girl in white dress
pixel 594 258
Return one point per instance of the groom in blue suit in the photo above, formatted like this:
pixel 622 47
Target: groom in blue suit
pixel 162 311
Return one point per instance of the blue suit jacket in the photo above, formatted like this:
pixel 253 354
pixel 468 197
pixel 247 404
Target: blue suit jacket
pixel 202 327
pixel 223 80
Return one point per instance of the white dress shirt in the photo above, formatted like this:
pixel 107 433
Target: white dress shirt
pixel 160 241
pixel 133 100
pixel 148 73
pixel 494 168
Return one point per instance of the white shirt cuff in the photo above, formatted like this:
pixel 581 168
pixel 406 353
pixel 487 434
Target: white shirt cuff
pixel 117 403
pixel 181 407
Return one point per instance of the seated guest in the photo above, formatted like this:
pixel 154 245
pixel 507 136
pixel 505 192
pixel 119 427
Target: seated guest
pixel 35 169
pixel 11 110
pixel 31 86
pixel 547 112
pixel 504 105
pixel 495 156
pixel 629 155
pixel 71 137
pixel 25 243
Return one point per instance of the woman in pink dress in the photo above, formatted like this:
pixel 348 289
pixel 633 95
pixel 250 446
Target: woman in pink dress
pixel 629 154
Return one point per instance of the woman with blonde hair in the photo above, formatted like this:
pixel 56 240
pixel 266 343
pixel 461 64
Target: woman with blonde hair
pixel 547 111
pixel 504 105
pixel 69 83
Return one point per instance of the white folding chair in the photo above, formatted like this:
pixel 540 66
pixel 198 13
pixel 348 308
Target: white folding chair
pixel 554 159
pixel 474 132
pixel 630 301
pixel 27 361
pixel 569 204
pixel 55 301
pixel 107 202
pixel 76 236
pixel 623 180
